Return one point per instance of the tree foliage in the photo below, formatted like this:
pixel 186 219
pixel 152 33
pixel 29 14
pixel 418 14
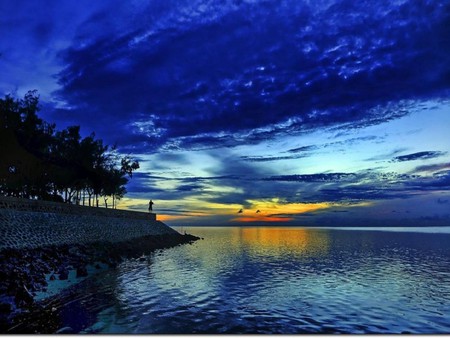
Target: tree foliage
pixel 37 161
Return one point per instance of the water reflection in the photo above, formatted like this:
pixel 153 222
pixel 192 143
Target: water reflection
pixel 279 241
pixel 274 280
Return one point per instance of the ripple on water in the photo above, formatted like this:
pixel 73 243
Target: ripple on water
pixel 317 281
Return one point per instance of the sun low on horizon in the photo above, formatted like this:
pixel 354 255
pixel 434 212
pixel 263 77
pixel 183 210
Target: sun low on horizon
pixel 247 112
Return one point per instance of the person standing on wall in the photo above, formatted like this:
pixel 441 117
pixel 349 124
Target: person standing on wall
pixel 150 206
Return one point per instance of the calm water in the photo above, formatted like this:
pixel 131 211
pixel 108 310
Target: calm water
pixel 274 280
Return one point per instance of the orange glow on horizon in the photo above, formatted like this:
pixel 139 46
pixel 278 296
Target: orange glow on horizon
pixel 266 211
pixel 164 218
pixel 275 211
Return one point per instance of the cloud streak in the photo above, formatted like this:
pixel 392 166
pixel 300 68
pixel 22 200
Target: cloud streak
pixel 422 155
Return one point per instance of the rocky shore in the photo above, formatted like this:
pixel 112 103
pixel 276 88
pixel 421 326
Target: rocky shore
pixel 26 272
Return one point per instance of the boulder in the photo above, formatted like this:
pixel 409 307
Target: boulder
pixel 82 271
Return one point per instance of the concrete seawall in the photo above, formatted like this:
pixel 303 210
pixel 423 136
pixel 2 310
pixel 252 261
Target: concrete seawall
pixel 42 243
pixel 31 224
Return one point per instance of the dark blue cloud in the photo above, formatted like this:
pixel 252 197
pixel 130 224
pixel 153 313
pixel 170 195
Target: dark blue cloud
pixel 440 181
pixel 306 151
pixel 190 187
pixel 207 68
pixel 422 155
pixel 348 187
pixel 373 186
pixel 313 177
pixel 303 149
pixel 270 158
pixel 359 194
pixel 210 178
pixel 432 167
pixel 387 156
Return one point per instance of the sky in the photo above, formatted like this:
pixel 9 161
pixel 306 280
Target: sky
pixel 251 112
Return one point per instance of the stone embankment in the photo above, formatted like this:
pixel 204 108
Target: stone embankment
pixel 42 241
pixel 30 224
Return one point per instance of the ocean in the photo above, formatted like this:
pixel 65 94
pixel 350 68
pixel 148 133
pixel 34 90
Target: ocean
pixel 271 280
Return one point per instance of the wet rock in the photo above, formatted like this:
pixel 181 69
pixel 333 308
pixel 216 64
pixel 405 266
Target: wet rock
pixel 63 274
pixel 22 272
pixel 66 330
pixel 23 296
pixel 82 271
pixel 5 308
pixel 112 264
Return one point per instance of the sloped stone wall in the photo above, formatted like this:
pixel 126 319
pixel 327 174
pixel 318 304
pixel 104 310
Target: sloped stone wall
pixel 31 224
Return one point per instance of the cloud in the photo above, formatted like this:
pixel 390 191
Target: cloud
pixel 309 150
pixel 438 182
pixel 303 149
pixel 367 185
pixel 256 69
pixel 312 177
pixel 190 187
pixel 432 167
pixel 387 156
pixel 423 155
pixel 359 193
pixel 268 158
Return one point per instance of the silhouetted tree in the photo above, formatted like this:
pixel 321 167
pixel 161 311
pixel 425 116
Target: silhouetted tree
pixel 39 162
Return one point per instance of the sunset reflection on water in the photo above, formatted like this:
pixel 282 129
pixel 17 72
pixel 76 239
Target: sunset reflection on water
pixel 275 242
pixel 278 241
pixel 274 280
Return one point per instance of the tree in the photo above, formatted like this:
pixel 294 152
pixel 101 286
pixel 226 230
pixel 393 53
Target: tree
pixel 39 162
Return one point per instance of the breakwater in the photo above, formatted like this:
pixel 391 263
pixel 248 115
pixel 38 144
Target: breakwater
pixel 41 242
pixel 30 224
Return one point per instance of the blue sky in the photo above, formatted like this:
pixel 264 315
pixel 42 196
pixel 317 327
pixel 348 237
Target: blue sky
pixel 312 112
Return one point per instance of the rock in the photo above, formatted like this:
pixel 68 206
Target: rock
pixel 5 308
pixel 112 264
pixel 81 271
pixel 66 329
pixel 23 296
pixel 63 274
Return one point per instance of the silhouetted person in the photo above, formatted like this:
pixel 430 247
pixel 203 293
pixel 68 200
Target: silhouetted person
pixel 150 205
pixel 240 211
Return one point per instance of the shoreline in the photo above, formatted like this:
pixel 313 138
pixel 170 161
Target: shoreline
pixel 26 274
